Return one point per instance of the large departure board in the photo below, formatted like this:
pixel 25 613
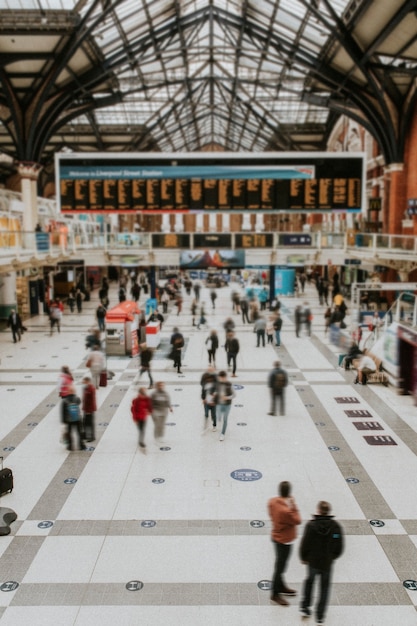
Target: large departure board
pixel 205 182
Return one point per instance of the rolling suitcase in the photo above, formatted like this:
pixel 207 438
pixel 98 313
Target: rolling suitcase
pixel 6 479
pixel 103 378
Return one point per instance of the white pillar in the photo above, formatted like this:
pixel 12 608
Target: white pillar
pixel 259 225
pixel 29 175
pixel 199 223
pixel 166 224
pixel 226 222
pixel 179 223
pixel 213 222
pixel 246 225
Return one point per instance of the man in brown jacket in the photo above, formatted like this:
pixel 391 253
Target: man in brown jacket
pixel 285 517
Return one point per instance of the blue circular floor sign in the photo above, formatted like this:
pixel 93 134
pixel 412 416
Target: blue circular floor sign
pixel 246 475
pixel 238 387
pixel 352 481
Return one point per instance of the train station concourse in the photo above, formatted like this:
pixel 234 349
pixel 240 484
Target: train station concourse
pixel 163 165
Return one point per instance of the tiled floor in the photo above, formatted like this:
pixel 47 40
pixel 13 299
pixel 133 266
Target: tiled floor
pixel 195 541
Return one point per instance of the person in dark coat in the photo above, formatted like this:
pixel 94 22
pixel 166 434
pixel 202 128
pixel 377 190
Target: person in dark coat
pixel 79 300
pixel 321 544
pixel 244 307
pixel 277 381
pixel 277 328
pixel 307 318
pixel 101 313
pixel 135 292
pixel 212 343
pixel 71 301
pixel 177 343
pixel 232 348
pixel 298 318
pixel 145 356
pixel 208 384
pixel 14 322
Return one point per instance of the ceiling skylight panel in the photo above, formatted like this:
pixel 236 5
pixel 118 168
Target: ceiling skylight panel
pixel 294 7
pixel 190 7
pixel 262 10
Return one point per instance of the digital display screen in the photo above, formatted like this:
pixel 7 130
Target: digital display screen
pixel 204 182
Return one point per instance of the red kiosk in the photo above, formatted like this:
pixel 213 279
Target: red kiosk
pixel 122 322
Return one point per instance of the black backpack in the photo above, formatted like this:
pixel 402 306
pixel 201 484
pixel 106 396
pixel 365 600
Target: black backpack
pixel 280 380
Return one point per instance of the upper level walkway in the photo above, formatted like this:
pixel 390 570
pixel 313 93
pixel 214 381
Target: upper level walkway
pixel 75 237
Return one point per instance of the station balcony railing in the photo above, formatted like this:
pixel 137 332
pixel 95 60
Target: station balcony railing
pixel 21 244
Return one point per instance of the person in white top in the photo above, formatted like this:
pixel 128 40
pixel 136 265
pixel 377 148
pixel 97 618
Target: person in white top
pixel 366 366
pixel 97 363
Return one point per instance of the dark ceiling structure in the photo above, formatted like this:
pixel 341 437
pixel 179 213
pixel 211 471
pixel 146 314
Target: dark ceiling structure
pixel 192 75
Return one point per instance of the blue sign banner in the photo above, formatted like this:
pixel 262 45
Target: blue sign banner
pixel 42 242
pixel 213 172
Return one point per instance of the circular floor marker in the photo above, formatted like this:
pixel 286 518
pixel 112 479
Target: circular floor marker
pixel 45 524
pixel 134 585
pixel 246 475
pixel 411 585
pixel 10 585
pixel 265 585
pixel 257 523
pixel 148 523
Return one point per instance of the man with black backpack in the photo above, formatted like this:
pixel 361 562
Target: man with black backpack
pixel 277 381
pixel 321 544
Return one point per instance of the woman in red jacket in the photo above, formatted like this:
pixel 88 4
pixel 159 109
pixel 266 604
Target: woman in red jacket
pixel 89 407
pixel 141 408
